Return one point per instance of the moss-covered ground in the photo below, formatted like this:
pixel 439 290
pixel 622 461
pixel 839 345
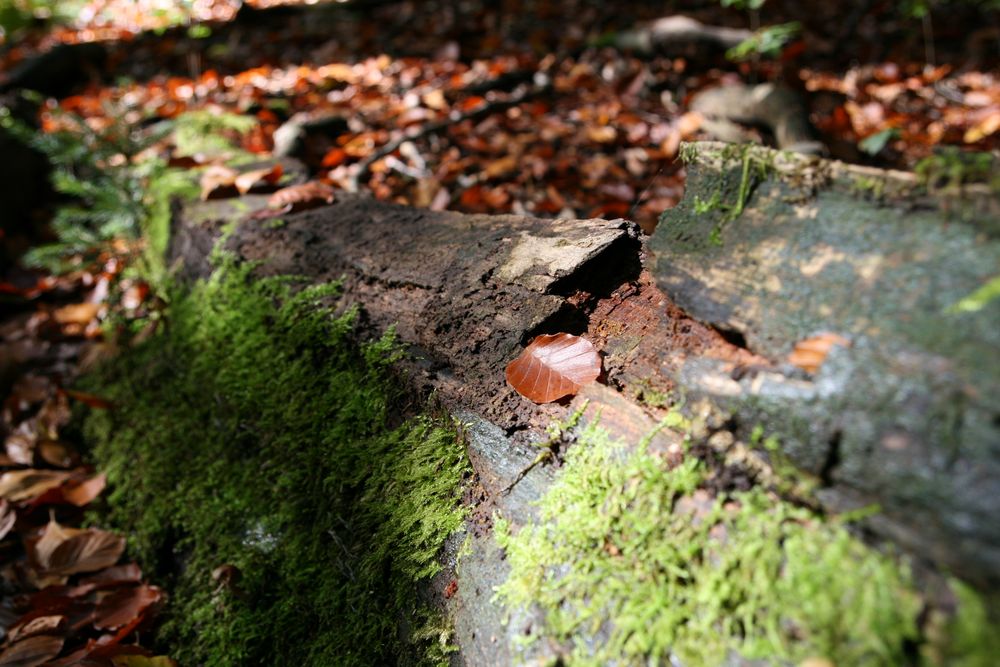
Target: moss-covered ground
pixel 632 562
pixel 254 440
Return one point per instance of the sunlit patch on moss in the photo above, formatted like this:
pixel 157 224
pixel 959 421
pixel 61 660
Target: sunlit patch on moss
pixel 258 435
pixel 631 555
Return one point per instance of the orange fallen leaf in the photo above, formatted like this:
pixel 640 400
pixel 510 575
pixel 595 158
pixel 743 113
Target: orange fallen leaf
pixel 302 197
pixel 810 353
pixel 554 366
pixel 218 181
pixel 984 128
pixel 76 313
pixel 502 167
pixel 334 157
pixel 84 492
pixel 603 134
pixel 248 180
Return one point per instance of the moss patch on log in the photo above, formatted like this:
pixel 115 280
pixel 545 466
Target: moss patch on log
pixel 254 436
pixel 632 562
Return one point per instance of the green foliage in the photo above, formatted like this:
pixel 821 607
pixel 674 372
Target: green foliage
pixel 873 144
pixel 618 538
pixel 766 42
pixel 950 168
pixel 969 638
pixel 261 437
pixel 750 5
pixel 209 132
pixel 918 9
pixel 15 15
pixel 107 184
pixel 978 299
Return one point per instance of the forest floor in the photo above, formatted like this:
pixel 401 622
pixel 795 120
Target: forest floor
pixel 511 107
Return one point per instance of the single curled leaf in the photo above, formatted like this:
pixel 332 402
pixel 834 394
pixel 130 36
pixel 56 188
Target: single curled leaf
pixel 553 366
pixel 302 197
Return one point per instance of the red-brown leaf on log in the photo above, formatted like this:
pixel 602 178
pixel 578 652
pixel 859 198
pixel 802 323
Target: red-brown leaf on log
pixel 302 197
pixel 554 366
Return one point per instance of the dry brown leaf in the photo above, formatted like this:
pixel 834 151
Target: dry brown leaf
pixel 689 123
pixel 58 454
pixel 810 353
pixel 302 197
pixel 32 651
pixel 40 625
pixel 83 493
pixel 125 605
pixel 20 485
pixel 217 182
pixel 89 399
pixel 554 366
pixel 435 100
pixel 8 517
pixel 984 128
pixel 129 573
pixel 246 181
pixel 63 551
pixel 76 313
pixel 603 134
pixel 502 167
pixel 20 445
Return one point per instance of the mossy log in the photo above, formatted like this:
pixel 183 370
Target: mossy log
pixel 899 418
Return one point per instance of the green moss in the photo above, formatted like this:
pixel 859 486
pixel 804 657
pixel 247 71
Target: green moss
pixel 619 538
pixel 210 133
pixel 164 186
pixel 257 435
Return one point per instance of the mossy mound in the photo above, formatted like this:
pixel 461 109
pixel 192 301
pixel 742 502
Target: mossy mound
pixel 631 562
pixel 254 433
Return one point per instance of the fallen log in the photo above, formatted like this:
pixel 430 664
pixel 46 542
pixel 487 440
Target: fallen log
pixel 711 327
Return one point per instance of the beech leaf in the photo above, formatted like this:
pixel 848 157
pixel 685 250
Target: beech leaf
pixel 63 551
pixel 124 606
pixel 24 484
pixel 554 366
pixel 809 353
pixel 32 651
pixel 302 197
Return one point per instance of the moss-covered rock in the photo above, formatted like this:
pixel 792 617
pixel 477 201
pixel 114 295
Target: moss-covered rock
pixel 253 433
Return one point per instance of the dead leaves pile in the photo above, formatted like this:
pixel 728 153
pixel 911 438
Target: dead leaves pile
pixel 68 600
